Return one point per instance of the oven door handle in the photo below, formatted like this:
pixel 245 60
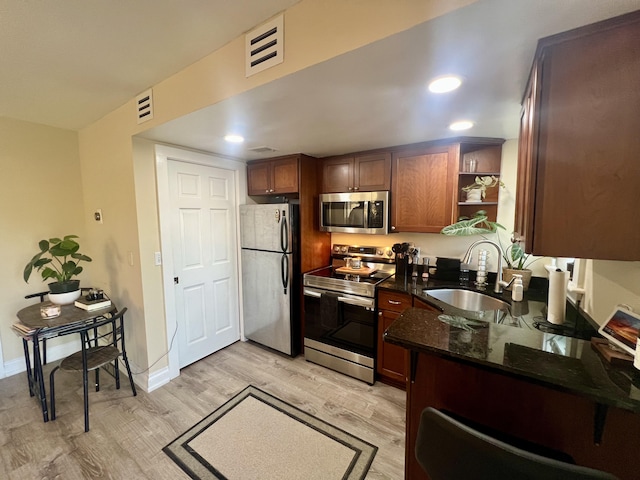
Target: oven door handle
pixel 357 302
pixel 350 300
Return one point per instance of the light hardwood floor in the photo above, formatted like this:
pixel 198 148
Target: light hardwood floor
pixel 128 433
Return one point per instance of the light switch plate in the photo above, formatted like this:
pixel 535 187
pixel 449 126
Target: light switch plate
pixel 157 258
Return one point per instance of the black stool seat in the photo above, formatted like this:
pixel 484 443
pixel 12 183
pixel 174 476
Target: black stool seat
pixel 450 450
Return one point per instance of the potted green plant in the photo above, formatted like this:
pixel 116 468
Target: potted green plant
pixel 516 261
pixel 59 259
pixel 477 191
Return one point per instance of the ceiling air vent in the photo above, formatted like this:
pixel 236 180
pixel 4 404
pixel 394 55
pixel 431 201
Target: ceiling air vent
pixel 262 150
pixel 144 105
pixel 264 46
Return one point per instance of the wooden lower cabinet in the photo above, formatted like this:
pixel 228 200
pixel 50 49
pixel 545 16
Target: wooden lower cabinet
pixel 392 359
pixel 555 420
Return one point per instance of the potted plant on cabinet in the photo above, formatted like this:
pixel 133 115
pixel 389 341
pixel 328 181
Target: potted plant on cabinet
pixel 477 191
pixel 59 259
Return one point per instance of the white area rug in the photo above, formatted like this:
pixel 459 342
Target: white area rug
pixel 257 436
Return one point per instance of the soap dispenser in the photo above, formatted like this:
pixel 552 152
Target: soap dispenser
pixel 517 288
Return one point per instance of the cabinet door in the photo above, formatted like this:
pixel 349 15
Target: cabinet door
pixel 284 175
pixel 337 174
pixel 258 178
pixel 422 189
pixel 587 145
pixel 525 188
pixel 372 172
pixel 392 359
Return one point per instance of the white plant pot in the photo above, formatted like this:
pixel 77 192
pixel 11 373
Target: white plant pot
pixel 64 298
pixel 474 195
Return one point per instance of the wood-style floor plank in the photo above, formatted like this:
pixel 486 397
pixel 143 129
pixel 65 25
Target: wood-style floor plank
pixel 128 433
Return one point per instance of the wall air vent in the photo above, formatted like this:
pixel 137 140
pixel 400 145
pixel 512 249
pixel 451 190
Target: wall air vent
pixel 144 106
pixel 264 46
pixel 262 150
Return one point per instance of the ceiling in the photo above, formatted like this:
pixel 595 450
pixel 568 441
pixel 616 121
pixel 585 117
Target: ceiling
pixel 67 63
pixel 70 62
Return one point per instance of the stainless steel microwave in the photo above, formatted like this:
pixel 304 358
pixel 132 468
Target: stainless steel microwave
pixel 356 212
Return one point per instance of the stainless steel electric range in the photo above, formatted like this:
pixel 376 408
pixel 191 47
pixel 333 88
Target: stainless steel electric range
pixel 340 310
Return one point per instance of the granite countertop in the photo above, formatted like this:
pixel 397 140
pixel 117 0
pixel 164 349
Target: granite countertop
pixel 511 344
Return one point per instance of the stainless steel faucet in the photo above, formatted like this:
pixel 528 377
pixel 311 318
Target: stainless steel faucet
pixel 499 282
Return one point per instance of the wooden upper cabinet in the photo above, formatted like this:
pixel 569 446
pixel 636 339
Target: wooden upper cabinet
pixel 359 173
pixel 274 176
pixel 579 146
pixel 422 190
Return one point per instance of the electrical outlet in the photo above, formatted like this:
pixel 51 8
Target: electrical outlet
pixel 97 215
pixel 157 258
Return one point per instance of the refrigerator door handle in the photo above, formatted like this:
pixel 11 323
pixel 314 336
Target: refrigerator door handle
pixel 284 233
pixel 284 264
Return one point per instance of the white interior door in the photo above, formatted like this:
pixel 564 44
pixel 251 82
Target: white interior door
pixel 204 240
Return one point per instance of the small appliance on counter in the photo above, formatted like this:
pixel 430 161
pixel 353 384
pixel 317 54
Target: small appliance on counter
pixel 341 324
pixel 446 269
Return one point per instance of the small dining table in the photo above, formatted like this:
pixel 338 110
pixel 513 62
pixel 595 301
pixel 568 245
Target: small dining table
pixel 32 327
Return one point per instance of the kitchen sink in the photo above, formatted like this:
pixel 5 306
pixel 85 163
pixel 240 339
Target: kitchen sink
pixel 467 299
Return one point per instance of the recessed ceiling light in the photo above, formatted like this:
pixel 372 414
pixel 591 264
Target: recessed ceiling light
pixel 461 125
pixel 444 84
pixel 232 138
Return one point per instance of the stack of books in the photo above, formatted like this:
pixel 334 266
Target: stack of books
pixel 91 305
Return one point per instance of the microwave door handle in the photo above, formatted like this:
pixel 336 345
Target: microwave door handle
pixel 365 214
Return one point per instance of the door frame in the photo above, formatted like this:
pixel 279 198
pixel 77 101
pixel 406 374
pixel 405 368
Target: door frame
pixel 163 154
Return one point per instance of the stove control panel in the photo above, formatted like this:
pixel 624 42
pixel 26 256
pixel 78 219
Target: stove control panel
pixel 372 253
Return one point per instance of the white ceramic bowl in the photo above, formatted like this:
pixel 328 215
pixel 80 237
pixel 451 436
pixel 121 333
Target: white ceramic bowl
pixel 64 298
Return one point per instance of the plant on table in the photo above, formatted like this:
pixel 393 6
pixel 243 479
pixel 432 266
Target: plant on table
pixel 58 259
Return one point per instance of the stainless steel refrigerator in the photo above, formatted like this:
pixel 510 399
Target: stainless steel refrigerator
pixel 269 237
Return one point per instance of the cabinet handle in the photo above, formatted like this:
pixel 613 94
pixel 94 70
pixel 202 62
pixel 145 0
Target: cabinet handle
pixel 379 314
pixel 393 302
pixel 350 188
pixel 356 188
pixel 393 227
pixel 266 191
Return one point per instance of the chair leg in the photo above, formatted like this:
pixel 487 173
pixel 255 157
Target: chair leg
pixel 44 351
pixel 126 364
pixel 85 387
pixel 97 379
pixel 116 373
pixel 52 393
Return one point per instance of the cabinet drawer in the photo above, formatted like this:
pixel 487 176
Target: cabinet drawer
pixel 393 301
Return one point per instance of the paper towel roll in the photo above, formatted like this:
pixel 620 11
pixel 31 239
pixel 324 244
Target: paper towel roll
pixel 557 303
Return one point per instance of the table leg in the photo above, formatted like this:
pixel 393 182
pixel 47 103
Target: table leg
pixel 39 377
pixel 27 361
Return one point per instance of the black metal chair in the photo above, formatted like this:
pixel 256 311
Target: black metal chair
pixel 103 343
pixel 449 450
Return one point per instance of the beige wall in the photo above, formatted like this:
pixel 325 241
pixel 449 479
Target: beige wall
pixel 115 179
pixel 41 197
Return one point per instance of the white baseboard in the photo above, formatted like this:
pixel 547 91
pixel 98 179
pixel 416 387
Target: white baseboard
pixel 54 353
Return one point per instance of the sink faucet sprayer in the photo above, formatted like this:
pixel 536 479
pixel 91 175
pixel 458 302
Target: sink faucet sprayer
pixel 499 283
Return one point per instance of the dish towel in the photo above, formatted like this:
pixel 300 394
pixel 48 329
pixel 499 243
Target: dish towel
pixel 329 310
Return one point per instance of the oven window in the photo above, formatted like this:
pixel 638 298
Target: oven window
pixel 343 214
pixel 353 328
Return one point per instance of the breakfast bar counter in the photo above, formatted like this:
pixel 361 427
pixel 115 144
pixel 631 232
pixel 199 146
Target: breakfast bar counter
pixel 550 390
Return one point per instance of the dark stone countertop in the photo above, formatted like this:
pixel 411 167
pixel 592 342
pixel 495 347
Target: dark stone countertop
pixel 557 361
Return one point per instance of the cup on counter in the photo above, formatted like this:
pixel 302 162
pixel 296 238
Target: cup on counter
pixel 356 262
